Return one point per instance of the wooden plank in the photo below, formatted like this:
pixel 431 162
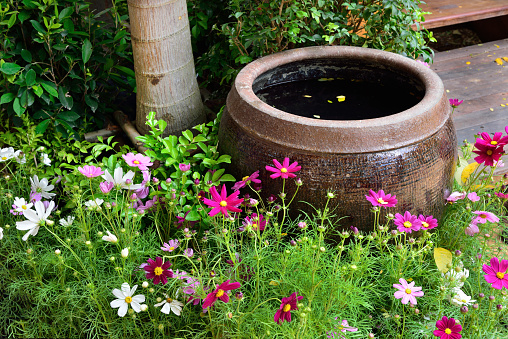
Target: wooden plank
pixel 465 51
pixel 475 87
pixel 451 12
pixel 473 61
pixel 483 103
pixel 477 120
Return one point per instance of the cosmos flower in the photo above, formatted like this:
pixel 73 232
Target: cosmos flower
pixel 170 305
pixel 285 170
pixel 448 329
pixel 90 171
pixel 381 199
pixel 407 292
pixel 286 306
pixel 407 223
pixel 496 273
pixel 36 219
pixel 158 270
pixel 220 293
pixel 126 297
pixel 120 180
pixel 137 160
pixel 222 203
pixel 42 187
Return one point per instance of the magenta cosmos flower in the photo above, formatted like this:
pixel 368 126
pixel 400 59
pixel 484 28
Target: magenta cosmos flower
pixel 448 329
pixel 255 222
pixel 501 195
pixel 90 171
pixel 381 199
pixel 496 273
pixel 407 223
pixel 496 141
pixel 220 293
pixel 222 203
pixel 285 170
pixel 487 154
pixel 158 271
pixel 184 167
pixel 246 180
pixel 287 305
pixel 428 222
pixel 408 292
pixel 455 102
pixel 483 217
pixel 137 160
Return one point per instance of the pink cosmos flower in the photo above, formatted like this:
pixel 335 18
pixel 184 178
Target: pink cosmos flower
pixel 496 141
pixel 487 154
pixel 343 327
pixel 158 271
pixel 501 195
pixel 173 245
pixel 483 217
pixel 472 229
pixel 137 160
pixel 407 223
pixel 246 180
pixel 222 203
pixel 255 222
pixel 90 171
pixel 106 186
pixel 407 292
pixel 423 63
pixel 188 252
pixel 285 170
pixel 381 199
pixel 184 167
pixel 448 329
pixel 428 222
pixel 496 273
pixel 220 293
pixel 455 102
pixel 287 305
pixel 473 197
pixel 456 196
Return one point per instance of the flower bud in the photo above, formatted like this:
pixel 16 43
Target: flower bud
pixel 50 222
pixel 464 309
pixel 125 253
pixel 330 195
pixel 143 307
pixel 322 249
pixel 492 298
pixel 57 252
pixel 128 182
pixel 458 253
pixel 292 243
pixel 396 316
pixel 112 259
pixel 481 295
pixel 144 284
pixel 370 335
pixel 230 315
pixel 239 295
pixel 476 306
pixel 302 225
pixel 499 307
pixel 298 182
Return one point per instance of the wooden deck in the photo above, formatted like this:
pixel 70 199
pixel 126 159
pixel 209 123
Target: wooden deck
pixel 472 74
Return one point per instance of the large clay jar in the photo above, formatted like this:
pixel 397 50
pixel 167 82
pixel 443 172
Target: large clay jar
pixel 410 154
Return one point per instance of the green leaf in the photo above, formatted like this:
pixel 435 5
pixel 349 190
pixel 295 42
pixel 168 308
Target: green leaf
pixel 68 116
pixel 6 98
pixel 12 20
pixel 10 68
pixel 17 107
pixel 42 126
pixel 193 216
pixel 86 52
pixel 218 174
pixel 188 135
pixel 126 71
pixel 227 177
pixel 30 78
pixel 65 99
pixel 92 103
pixel 50 88
pixel 67 11
pixel 38 90
pixel 224 158
pixel 26 55
pixel 23 16
pixel 38 27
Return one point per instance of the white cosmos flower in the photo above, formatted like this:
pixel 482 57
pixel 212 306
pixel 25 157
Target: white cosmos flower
pixel 42 187
pixel 126 298
pixel 67 222
pixel 45 159
pixel 1 233
pixel 125 253
pixel 170 305
pixel 21 204
pixel 20 159
pixel 110 237
pixel 455 279
pixel 119 179
pixel 94 204
pixel 461 299
pixel 36 219
pixel 6 154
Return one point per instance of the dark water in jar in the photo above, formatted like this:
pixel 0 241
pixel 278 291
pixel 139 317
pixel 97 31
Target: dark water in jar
pixel 340 99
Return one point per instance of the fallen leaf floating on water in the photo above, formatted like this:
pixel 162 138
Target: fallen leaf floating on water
pixel 317 116
pixel 499 61
pixel 341 98
pixel 325 79
pixel 307 96
pixel 329 101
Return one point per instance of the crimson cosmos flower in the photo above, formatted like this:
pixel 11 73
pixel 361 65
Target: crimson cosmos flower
pixel 222 203
pixel 448 329
pixel 495 141
pixel 287 305
pixel 220 293
pixel 285 170
pixel 455 102
pixel 487 154
pixel 158 271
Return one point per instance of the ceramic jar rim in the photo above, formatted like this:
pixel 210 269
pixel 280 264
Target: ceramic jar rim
pixel 339 136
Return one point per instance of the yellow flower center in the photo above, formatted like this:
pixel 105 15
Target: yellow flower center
pixel 136 162
pixel 171 248
pixel 23 207
pixel 4 158
pixel 464 301
pixel 500 275
pixel 255 226
pixel 223 203
pixel 424 224
pixel 245 178
pixel 283 170
pixel 493 142
pixel 169 300
pixel 340 327
pixel 407 224
pixel 489 152
pixel 484 216
pixel 408 290
pixel 219 293
pixel 447 331
pixel 381 201
pixel 157 271
pixel 128 300
pixel 286 308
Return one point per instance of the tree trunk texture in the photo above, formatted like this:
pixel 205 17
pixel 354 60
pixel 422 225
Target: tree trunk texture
pixel 164 65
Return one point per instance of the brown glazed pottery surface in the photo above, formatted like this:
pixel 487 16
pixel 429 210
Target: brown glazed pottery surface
pixel 411 154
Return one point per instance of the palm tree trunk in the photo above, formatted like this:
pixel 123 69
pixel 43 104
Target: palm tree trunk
pixel 164 65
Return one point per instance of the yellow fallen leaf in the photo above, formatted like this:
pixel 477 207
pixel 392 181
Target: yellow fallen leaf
pixel 466 172
pixel 491 109
pixel 341 98
pixel 307 96
pixel 443 259
pixel 503 105
pixel 497 46
pixel 468 63
pixel 330 101
pixel 317 116
pixel 499 61
pixel 477 187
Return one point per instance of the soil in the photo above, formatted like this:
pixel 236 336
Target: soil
pixel 454 38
